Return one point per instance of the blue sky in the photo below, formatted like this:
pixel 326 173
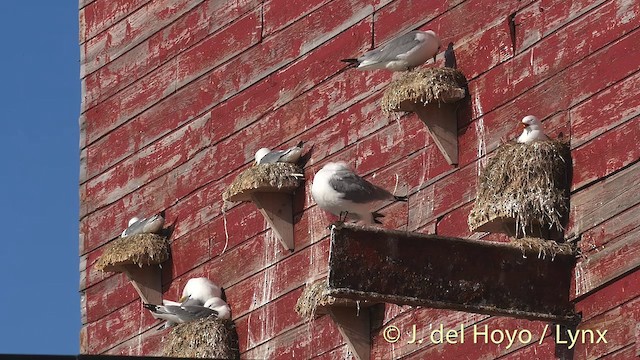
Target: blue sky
pixel 39 108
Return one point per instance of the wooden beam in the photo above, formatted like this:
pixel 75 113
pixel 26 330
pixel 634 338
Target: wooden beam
pixel 449 273
pixel 147 280
pixel 442 124
pixel 277 209
pixel 355 327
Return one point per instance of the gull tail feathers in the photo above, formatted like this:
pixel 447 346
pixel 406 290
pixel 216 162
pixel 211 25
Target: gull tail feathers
pixel 401 198
pixel 375 216
pixel 352 63
pixel 150 307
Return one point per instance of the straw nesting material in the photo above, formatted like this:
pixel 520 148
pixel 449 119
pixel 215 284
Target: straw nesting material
pixel 314 295
pixel 543 248
pixel 275 177
pixel 140 249
pixel 424 86
pixel 527 184
pixel 205 338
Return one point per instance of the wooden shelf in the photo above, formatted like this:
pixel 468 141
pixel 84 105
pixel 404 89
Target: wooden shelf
pixel 377 265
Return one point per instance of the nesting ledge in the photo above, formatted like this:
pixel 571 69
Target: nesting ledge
pixel 524 190
pixel 270 187
pixel 205 338
pixel 138 256
pixel 431 93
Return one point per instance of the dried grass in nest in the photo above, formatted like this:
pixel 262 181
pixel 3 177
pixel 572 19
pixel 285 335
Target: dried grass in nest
pixel 140 249
pixel 316 297
pixel 263 178
pixel 205 338
pixel 526 183
pixel 543 248
pixel 313 296
pixel 425 86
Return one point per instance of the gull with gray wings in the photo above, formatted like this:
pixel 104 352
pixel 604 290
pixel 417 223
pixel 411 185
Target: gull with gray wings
pixel 340 191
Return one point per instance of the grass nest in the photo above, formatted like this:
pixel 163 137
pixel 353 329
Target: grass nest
pixel 314 295
pixel 543 248
pixel 524 185
pixel 139 249
pixel 205 338
pixel 424 86
pixel 315 298
pixel 277 177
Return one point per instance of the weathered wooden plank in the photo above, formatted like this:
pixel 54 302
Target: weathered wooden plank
pixel 441 197
pixel 172 75
pixel 268 321
pixel 117 327
pixel 149 343
pixel 102 14
pixel 341 352
pixel 549 56
pixel 620 145
pixel 83 3
pixel 426 321
pixel 488 347
pixel 620 224
pixel 275 281
pixel 290 81
pixel 205 19
pixel 399 16
pixel 545 17
pixel 573 85
pixel 211 163
pixel 617 258
pixel 619 323
pixel 135 28
pixel 601 201
pixel 544 350
pixel 108 296
pixel 146 165
pixel 609 297
pixel 279 13
pixel 627 352
pixel 303 36
pixel 305 341
pixel 604 111
pixel 164 118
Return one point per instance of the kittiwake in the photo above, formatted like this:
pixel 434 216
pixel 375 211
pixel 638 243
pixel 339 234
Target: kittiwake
pixel 402 53
pixel 338 190
pixel 533 130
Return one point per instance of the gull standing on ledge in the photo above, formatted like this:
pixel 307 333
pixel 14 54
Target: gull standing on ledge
pixel 402 53
pixel 290 155
pixel 338 190
pixel 147 225
pixel 533 130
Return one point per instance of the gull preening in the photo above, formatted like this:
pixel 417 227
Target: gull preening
pixel 146 225
pixel 340 191
pixel 533 130
pixel 402 53
pixel 290 155
pixel 201 298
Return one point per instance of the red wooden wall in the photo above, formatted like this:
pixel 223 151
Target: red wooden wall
pixel 179 94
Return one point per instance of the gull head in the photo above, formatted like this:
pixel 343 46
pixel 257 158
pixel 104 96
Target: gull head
pixel 435 36
pixel 260 154
pixel 531 121
pixel 219 305
pixel 201 289
pixel 336 166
